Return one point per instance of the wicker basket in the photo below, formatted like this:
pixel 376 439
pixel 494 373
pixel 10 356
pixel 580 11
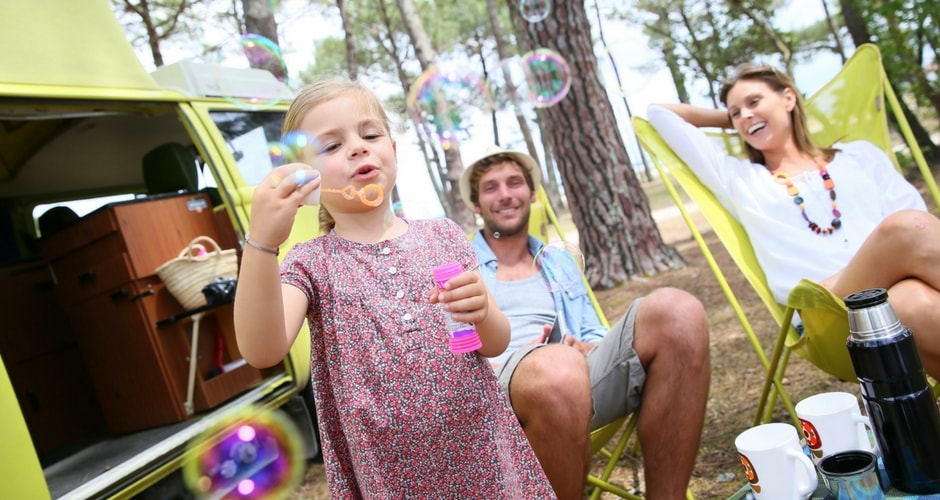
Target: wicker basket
pixel 197 265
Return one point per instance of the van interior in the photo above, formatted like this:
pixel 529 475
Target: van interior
pixel 94 196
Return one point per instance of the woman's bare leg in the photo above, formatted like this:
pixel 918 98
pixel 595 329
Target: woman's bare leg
pixel 902 256
pixel 916 306
pixel 905 245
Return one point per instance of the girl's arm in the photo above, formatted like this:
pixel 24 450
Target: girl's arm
pixel 466 298
pixel 494 330
pixel 268 315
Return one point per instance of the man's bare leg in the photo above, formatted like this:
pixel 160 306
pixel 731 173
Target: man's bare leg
pixel 671 339
pixel 550 393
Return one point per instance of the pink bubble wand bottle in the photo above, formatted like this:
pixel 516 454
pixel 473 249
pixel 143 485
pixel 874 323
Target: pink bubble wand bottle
pixel 463 336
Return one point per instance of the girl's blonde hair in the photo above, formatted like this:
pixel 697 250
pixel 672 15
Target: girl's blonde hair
pixel 314 94
pixel 778 81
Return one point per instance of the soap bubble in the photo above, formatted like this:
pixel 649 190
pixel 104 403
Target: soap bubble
pixel 561 265
pixel 550 75
pixel 535 10
pixel 251 51
pixel 247 455
pixel 439 101
pixel 295 146
pixel 537 79
pixel 507 85
pixel 280 154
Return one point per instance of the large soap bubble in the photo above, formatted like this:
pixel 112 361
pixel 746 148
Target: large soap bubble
pixel 255 454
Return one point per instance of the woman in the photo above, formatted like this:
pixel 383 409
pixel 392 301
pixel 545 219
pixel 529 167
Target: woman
pixel 875 234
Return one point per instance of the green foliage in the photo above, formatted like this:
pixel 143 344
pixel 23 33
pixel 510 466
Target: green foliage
pixel 706 39
pixel 908 34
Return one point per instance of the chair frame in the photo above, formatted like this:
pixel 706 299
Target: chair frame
pixel 742 251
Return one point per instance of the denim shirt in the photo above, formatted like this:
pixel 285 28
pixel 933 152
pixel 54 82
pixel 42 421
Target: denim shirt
pixel 568 290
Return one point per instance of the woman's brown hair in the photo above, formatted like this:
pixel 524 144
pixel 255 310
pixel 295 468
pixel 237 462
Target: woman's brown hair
pixel 317 93
pixel 778 81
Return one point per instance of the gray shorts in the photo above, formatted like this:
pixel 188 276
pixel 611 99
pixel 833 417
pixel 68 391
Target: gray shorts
pixel 617 376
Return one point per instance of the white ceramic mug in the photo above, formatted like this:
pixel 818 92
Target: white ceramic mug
pixel 832 422
pixel 774 463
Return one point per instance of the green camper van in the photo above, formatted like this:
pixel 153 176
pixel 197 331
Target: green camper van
pixel 106 173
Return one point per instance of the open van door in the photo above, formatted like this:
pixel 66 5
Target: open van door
pixel 107 171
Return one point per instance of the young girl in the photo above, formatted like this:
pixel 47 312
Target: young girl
pixel 399 414
pixel 874 234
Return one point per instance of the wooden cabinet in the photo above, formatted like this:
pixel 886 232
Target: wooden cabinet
pixel 45 366
pixel 104 267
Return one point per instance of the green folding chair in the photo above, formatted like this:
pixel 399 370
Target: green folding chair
pixel 851 106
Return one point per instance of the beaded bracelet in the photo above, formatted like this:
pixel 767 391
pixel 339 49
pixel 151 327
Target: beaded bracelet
pixel 275 251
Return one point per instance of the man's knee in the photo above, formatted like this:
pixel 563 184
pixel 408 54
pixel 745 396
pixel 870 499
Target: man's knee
pixel 673 318
pixel 551 376
pixel 673 306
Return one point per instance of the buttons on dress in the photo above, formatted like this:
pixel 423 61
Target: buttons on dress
pixel 399 294
pixel 392 270
pixel 407 317
pixel 386 251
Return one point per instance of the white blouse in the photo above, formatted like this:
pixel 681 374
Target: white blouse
pixel 868 188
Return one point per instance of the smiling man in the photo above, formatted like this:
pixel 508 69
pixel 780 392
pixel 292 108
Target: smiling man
pixel 654 360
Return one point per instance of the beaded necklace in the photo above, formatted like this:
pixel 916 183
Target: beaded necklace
pixel 828 183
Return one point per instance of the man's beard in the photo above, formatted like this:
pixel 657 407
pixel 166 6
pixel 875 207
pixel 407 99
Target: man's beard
pixel 521 226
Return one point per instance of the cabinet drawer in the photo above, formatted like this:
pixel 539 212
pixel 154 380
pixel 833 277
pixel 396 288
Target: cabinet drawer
pixel 34 323
pixel 79 279
pixel 90 228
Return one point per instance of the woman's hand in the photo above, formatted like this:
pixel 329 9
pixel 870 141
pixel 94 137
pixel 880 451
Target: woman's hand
pixel 275 201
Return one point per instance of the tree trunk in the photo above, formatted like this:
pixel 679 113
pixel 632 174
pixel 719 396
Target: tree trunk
pixel 834 30
pixel 503 53
pixel 421 42
pixel 618 235
pixel 259 19
pixel 390 46
pixel 351 65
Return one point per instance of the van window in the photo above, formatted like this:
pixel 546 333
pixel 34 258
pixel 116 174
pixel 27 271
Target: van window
pixel 248 134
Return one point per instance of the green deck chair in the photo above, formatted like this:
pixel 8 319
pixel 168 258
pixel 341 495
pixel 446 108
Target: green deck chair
pixel 851 106
pixel 542 223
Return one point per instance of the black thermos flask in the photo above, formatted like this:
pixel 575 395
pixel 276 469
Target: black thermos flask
pixel 894 388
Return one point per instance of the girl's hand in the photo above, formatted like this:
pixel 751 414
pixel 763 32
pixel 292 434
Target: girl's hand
pixel 275 201
pixel 464 297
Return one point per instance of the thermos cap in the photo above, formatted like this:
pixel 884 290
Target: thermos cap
pixel 871 316
pixel 866 298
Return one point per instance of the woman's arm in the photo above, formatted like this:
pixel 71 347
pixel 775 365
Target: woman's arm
pixel 710 163
pixel 700 117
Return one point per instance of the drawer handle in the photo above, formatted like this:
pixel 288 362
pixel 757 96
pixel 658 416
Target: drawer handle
pixel 86 276
pixel 118 295
pixel 148 291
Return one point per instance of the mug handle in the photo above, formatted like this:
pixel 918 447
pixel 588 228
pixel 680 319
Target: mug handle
pixel 811 479
pixel 865 429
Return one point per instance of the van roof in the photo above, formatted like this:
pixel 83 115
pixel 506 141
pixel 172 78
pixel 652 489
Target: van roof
pixel 33 35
